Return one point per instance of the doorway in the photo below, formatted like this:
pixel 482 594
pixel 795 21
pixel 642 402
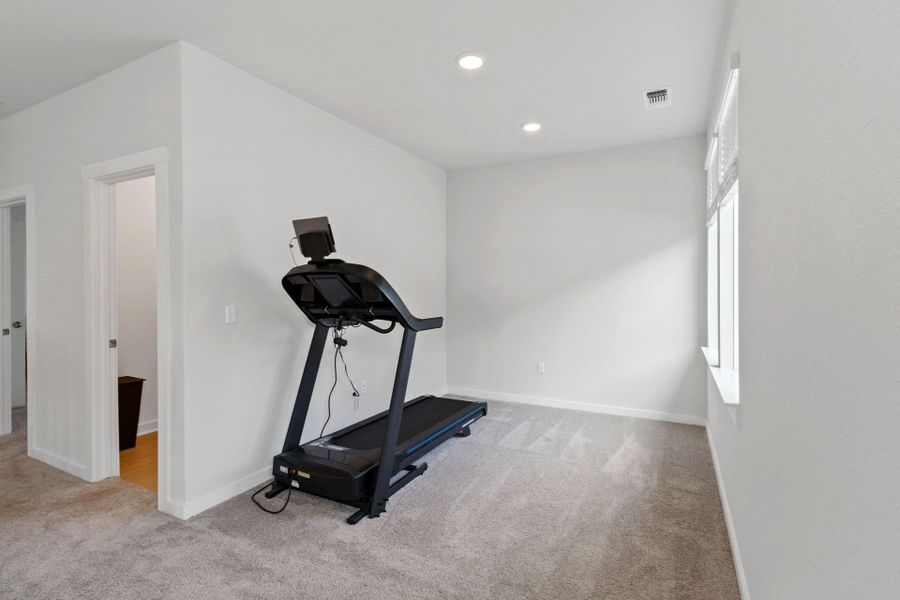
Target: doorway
pixel 127 322
pixel 17 325
pixel 135 353
pixel 16 290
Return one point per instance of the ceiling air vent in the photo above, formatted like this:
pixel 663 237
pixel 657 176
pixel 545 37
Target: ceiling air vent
pixel 657 98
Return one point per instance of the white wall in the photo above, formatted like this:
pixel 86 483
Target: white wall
pixel 809 460
pixel 17 303
pixel 589 262
pixel 255 158
pixel 128 110
pixel 136 289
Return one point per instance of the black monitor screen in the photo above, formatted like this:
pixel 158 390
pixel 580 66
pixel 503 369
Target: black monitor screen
pixel 315 237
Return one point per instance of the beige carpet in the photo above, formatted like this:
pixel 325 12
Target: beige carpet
pixel 537 503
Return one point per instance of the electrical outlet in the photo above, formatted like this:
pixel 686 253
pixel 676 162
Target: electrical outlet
pixel 363 388
pixel 540 367
pixel 231 313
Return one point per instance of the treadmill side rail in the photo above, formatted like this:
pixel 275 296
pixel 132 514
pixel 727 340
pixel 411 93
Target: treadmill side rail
pixel 305 391
pixel 385 467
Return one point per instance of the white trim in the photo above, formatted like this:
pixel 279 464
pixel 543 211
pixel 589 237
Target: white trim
pixel 147 427
pixel 5 320
pixel 9 197
pixel 581 405
pixel 728 381
pixel 224 492
pixel 126 168
pixel 99 180
pixel 176 509
pixel 729 523
pixel 55 460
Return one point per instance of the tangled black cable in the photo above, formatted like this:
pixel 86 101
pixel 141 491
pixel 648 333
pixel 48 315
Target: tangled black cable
pixel 340 352
pixel 339 343
pixel 271 512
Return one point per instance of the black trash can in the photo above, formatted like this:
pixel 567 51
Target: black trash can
pixel 129 410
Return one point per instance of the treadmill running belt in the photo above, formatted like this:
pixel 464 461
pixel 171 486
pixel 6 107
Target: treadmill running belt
pixel 416 418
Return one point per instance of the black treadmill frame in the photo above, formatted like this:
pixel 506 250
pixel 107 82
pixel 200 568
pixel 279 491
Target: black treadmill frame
pixel 388 308
pixel 384 489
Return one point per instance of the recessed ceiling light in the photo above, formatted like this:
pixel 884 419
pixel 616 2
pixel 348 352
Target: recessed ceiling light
pixel 470 61
pixel 531 127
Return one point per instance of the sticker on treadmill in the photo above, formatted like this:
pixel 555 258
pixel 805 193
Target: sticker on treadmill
pixel 299 473
pixel 295 484
pixel 283 469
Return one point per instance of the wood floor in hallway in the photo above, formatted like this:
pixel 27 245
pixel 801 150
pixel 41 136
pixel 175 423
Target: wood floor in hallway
pixel 138 464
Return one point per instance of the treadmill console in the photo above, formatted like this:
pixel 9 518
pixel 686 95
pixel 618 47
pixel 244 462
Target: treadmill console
pixel 315 237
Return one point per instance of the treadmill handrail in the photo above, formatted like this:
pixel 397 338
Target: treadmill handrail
pixel 401 313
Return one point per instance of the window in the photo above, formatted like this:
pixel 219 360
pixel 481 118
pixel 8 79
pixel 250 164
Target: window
pixel 712 291
pixel 727 276
pixel 723 191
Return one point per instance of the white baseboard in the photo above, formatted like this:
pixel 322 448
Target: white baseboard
pixel 59 462
pixel 176 509
pixel 147 427
pixel 729 524
pixel 580 405
pixel 219 495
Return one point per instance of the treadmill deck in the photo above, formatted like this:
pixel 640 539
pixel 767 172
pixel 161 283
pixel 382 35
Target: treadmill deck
pixel 417 418
pixel 342 466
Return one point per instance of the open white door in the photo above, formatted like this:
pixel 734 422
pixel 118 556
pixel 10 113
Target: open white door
pixel 16 299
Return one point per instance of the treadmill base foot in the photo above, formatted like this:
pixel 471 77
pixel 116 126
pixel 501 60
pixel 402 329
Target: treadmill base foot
pixel 277 488
pixel 464 432
pixel 357 516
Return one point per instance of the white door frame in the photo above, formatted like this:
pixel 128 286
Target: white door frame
pixel 100 310
pixel 10 197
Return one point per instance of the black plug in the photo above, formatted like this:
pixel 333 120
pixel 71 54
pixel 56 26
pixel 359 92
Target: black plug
pixel 338 341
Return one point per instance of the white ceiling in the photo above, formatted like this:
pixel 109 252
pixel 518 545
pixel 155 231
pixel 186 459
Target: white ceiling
pixel 577 66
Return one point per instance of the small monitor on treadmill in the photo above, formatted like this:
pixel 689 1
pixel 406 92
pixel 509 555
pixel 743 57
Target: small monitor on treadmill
pixel 315 237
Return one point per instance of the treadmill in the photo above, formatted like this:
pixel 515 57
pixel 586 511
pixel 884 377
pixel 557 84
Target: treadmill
pixel 362 465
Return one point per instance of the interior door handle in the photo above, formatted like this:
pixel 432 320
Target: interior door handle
pixel 17 324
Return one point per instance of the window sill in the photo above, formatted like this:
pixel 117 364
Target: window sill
pixel 727 380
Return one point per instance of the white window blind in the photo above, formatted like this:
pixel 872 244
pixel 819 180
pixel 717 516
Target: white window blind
pixel 712 177
pixel 728 133
pixel 722 158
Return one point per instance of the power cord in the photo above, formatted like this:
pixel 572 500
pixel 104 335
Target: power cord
pixel 340 352
pixel 330 392
pixel 339 343
pixel 291 247
pixel 271 512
